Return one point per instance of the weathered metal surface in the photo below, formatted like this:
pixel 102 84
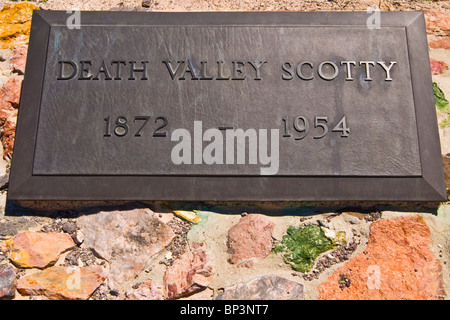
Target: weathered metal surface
pixel 227 106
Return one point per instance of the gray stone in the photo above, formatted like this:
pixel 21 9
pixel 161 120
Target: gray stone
pixel 11 225
pixel 269 287
pixel 7 281
pixel 126 239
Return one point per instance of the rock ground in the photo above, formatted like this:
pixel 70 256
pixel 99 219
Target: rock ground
pixel 238 5
pixel 202 249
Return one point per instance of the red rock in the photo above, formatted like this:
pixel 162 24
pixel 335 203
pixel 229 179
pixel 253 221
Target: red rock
pixel 144 291
pixel 189 273
pixel 8 118
pixel 437 21
pixel 8 137
pixel 250 239
pixel 443 43
pixel 63 283
pixel 397 264
pixel 437 67
pixel 10 91
pixel 38 250
pixel 19 59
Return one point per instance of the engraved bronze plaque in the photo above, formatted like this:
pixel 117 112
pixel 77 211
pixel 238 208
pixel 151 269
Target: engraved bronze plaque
pixel 227 106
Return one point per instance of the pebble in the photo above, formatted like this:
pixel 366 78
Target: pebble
pixel 168 255
pixel 114 292
pixel 78 237
pixel 69 227
pixel 147 3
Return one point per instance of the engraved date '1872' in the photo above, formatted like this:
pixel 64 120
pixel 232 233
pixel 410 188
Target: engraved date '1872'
pixel 121 126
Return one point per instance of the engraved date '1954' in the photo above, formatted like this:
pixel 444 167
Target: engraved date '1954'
pixel 302 127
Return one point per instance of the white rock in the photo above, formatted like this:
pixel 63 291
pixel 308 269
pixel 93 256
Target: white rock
pixel 329 233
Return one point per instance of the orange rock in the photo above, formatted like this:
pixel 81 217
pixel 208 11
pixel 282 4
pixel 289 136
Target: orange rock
pixel 15 24
pixel 6 112
pixel 396 265
pixel 443 43
pixel 63 283
pixel 437 21
pixel 38 250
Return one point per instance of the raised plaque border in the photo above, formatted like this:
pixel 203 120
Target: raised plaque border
pixel 430 186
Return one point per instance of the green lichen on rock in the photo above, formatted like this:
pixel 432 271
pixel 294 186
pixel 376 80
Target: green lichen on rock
pixel 440 100
pixel 302 245
pixel 442 104
pixel 339 239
